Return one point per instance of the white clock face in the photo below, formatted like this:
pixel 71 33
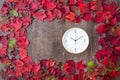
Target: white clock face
pixel 75 40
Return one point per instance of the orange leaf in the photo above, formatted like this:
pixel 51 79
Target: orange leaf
pixel 71 16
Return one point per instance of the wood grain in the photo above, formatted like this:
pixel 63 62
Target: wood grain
pixel 46 40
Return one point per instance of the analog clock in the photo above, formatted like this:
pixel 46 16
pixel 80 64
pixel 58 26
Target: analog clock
pixel 75 40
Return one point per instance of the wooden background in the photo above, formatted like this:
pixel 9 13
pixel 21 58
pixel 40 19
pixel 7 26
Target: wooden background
pixel 46 40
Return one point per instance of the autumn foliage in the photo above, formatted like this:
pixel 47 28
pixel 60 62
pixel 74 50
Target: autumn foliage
pixel 17 15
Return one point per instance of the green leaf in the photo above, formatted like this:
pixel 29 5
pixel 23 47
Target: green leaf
pixel 12 43
pixel 91 64
pixel 53 78
pixel 15 13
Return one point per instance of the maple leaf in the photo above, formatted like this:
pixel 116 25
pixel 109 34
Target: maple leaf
pixel 27 2
pixel 103 53
pixel 83 8
pixel 15 13
pixel 50 15
pixel 34 6
pixel 4 28
pixel 50 63
pixel 117 50
pixel 19 63
pixel 21 33
pixel 71 2
pixel 78 19
pixel 69 67
pixel 26 21
pixel 4 9
pixel 28 60
pixel 35 68
pixel 88 16
pixel 22 42
pixel 71 16
pixel 16 24
pixel 80 66
pixel 101 29
pixel 93 5
pixel 12 43
pixel 117 31
pixel 113 21
pixel 100 17
pixel 102 42
pixel 40 15
pixel 50 5
pixel 51 70
pixel 58 72
pixel 23 53
pixel 58 13
pixel 13 0
pixel 113 74
pixel 3 50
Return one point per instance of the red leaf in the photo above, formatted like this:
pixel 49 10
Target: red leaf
pixel 93 5
pixel 58 13
pixel 102 42
pixel 50 63
pixel 71 16
pixel 4 28
pixel 28 60
pixel 50 5
pixel 117 31
pixel 79 1
pixel 3 50
pixel 40 15
pixel 22 42
pixel 35 68
pixel 101 29
pixel 23 53
pixel 16 24
pixel 50 15
pixel 26 21
pixel 83 8
pixel 5 8
pixel 71 2
pixel 103 53
pixel 113 21
pixel 88 16
pixel 5 60
pixel 19 63
pixel 13 0
pixel 21 33
pixel 34 6
pixel 113 74
pixel 78 19
pixel 100 17
pixel 80 66
pixel 69 67
pixel 65 10
pixel 27 1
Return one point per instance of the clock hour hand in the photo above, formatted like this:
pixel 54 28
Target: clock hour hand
pixel 79 38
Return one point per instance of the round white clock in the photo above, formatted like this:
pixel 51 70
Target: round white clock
pixel 75 40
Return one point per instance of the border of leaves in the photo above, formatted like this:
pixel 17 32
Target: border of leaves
pixel 18 15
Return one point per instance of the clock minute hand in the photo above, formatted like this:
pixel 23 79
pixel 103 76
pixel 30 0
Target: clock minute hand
pixel 72 39
pixel 79 38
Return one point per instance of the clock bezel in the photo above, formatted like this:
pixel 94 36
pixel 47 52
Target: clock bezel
pixel 63 43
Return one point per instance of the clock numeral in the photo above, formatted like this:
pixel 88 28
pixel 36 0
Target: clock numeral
pixel 84 40
pixel 75 49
